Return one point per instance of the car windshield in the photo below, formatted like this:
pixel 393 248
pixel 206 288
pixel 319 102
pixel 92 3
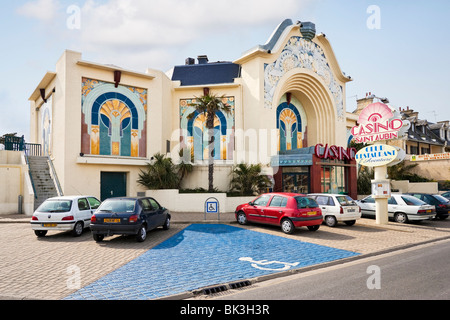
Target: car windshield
pixel 441 199
pixel 117 205
pixel 412 201
pixel 345 201
pixel 55 206
pixel 303 202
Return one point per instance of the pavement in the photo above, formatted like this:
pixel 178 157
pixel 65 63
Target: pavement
pixel 194 257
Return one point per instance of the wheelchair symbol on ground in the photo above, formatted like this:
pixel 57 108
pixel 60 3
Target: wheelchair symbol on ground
pixel 261 265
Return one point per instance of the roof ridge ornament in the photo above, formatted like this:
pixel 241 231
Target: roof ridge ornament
pixel 308 30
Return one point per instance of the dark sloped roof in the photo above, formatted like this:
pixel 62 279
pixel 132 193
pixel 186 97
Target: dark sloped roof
pixel 204 74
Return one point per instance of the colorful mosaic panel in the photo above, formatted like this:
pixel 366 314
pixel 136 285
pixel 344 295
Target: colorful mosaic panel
pixel 195 134
pixel 114 119
pixel 290 127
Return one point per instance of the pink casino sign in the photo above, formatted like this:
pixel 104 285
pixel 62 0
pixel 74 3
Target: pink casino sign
pixel 377 123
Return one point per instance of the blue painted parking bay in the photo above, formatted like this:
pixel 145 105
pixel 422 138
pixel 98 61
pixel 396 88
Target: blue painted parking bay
pixel 205 255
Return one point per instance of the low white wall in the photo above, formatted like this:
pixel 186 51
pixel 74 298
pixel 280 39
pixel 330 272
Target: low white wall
pixel 14 183
pixel 195 202
pixel 405 186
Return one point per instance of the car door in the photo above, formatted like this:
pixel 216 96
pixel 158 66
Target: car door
pixel 325 203
pixel 158 212
pixel 393 207
pixel 368 206
pixel 147 213
pixel 275 210
pixel 256 210
pixel 84 211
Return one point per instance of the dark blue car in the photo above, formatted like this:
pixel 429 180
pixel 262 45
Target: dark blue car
pixel 442 204
pixel 128 216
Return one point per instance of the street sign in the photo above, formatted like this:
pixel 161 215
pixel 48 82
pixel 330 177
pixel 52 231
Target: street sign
pixel 212 205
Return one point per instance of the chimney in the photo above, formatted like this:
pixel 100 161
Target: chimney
pixel 202 59
pixel 190 61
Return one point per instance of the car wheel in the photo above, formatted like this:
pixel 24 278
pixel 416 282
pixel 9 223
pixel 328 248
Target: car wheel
pixel 77 229
pixel 442 217
pixel 331 221
pixel 314 228
pixel 166 224
pixel 142 234
pixel 40 233
pixel 401 217
pixel 98 237
pixel 287 226
pixel 350 223
pixel 241 218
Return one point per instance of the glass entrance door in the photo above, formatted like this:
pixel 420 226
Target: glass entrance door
pixel 296 180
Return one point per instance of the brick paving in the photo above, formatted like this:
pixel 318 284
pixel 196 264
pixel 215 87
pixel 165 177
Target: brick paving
pixel 32 268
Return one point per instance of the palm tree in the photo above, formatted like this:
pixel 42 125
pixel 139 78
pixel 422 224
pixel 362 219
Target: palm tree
pixel 209 104
pixel 160 174
pixel 248 179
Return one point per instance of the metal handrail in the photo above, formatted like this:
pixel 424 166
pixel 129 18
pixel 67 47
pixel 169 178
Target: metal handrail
pixel 29 173
pixel 54 176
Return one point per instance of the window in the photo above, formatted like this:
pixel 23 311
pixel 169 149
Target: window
pixel 325 201
pixel 117 205
pixel 154 204
pixel 146 205
pixel 83 204
pixel 262 201
pixel 392 200
pixel 55 206
pixel 303 202
pixel 412 201
pixel 278 201
pixel 369 200
pixel 94 203
pixel 345 201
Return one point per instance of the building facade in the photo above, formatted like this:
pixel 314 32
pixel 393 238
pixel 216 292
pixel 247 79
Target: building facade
pixel 101 124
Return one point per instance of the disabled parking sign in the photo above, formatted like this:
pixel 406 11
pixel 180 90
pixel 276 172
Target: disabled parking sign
pixel 212 206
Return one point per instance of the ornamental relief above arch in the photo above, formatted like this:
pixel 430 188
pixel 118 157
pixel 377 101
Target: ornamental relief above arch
pixel 301 53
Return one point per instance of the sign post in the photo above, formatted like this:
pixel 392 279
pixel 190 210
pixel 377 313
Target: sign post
pixel 378 122
pixel 212 206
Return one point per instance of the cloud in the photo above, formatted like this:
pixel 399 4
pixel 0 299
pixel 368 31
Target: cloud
pixel 42 10
pixel 131 32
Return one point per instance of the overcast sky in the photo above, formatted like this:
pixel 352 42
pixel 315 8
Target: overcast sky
pixel 393 48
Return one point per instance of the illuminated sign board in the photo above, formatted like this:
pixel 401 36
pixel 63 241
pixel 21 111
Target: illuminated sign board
pixel 335 153
pixel 378 122
pixel 379 155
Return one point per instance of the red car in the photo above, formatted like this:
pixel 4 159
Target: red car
pixel 288 210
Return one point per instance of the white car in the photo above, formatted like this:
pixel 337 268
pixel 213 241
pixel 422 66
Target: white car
pixel 68 213
pixel 401 207
pixel 337 208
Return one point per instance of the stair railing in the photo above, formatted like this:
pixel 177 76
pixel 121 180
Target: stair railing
pixel 54 176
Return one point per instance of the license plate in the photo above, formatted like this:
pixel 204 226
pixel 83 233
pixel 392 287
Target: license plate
pixel 312 213
pixel 111 220
pixel 351 210
pixel 49 225
pixel 428 211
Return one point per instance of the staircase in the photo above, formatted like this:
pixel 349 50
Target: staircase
pixel 43 182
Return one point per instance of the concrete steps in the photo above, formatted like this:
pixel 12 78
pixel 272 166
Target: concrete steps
pixel 43 182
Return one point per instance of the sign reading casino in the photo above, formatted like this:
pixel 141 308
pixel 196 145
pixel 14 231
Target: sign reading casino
pixel 377 123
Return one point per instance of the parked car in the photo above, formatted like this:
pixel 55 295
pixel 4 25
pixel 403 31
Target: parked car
pixel 446 195
pixel 129 216
pixel 442 204
pixel 337 208
pixel 288 210
pixel 401 207
pixel 68 213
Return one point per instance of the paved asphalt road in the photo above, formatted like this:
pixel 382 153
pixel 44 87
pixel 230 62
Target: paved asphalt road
pixel 421 273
